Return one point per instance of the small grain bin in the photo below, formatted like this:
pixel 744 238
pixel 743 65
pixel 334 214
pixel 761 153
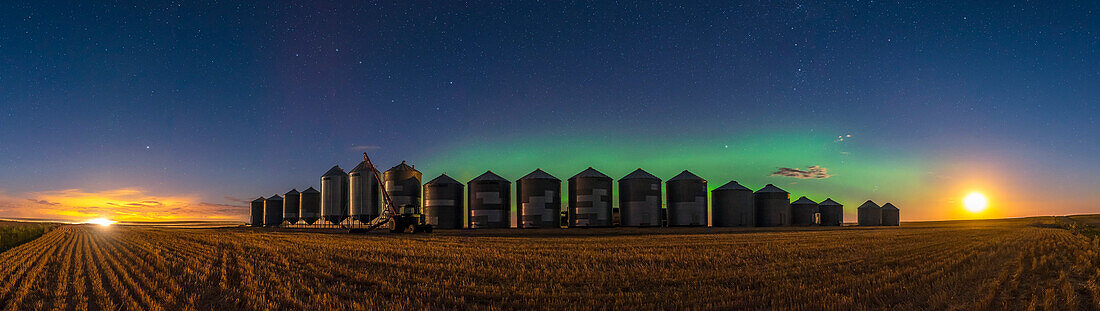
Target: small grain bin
pixel 869 214
pixel 590 199
pixel 890 215
pixel 640 200
pixel 490 200
pixel 538 200
pixel 364 201
pixel 256 212
pixel 802 212
pixel 687 200
pixel 292 202
pixel 334 195
pixel 443 204
pixel 403 185
pixel 310 206
pixel 731 206
pixel 273 211
pixel 832 213
pixel 773 206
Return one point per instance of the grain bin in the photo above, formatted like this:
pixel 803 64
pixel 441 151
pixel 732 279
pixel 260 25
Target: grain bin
pixel 731 206
pixel 443 204
pixel 802 211
pixel 489 200
pixel 403 185
pixel 890 215
pixel 538 200
pixel 334 195
pixel 869 214
pixel 686 196
pixel 589 199
pixel 773 206
pixel 273 211
pixel 832 213
pixel 640 200
pixel 292 202
pixel 256 212
pixel 310 206
pixel 365 197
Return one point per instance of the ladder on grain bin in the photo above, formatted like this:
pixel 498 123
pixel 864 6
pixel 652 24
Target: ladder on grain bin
pixel 397 220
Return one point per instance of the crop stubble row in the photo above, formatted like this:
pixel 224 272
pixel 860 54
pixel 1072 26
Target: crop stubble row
pixel 994 264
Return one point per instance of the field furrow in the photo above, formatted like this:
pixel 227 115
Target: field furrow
pixel 994 265
pixel 62 284
pixel 23 274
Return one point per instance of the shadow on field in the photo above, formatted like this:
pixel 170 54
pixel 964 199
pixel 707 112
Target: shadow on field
pixel 634 231
pixel 575 232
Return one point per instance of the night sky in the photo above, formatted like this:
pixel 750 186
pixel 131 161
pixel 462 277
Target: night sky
pixel 169 110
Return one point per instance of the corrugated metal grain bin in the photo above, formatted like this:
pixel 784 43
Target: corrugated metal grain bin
pixel 832 213
pixel 256 212
pixel 590 199
pixel 802 212
pixel 731 206
pixel 292 202
pixel 539 200
pixel 273 211
pixel 403 185
pixel 443 204
pixel 365 196
pixel 334 195
pixel 640 200
pixel 490 200
pixel 869 214
pixel 311 205
pixel 687 200
pixel 773 206
pixel 891 216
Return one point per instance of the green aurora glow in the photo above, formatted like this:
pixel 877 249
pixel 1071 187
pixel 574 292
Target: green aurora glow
pixel 750 158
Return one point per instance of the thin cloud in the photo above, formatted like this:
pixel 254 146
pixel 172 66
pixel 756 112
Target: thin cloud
pixel 812 172
pixel 44 202
pixel 238 200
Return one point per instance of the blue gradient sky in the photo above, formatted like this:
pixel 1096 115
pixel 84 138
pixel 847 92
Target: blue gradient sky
pixel 211 103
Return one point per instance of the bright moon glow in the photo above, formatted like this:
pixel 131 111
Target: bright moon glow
pixel 101 221
pixel 975 202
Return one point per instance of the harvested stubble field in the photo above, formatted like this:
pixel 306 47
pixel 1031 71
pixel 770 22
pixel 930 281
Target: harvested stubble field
pixel 1001 264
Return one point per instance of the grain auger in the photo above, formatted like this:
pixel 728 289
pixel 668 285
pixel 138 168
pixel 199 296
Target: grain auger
pixel 397 218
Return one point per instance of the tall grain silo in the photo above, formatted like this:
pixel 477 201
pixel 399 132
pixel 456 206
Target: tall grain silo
pixel 490 201
pixel 640 200
pixel 731 206
pixel 310 206
pixel 890 215
pixel 773 206
pixel 292 202
pixel 403 185
pixel 687 200
pixel 869 214
pixel 538 200
pixel 590 199
pixel 443 204
pixel 802 211
pixel 832 213
pixel 256 212
pixel 364 201
pixel 273 211
pixel 334 195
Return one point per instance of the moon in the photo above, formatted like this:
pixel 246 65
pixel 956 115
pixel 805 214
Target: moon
pixel 975 202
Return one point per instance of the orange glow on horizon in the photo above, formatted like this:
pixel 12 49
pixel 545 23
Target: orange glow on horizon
pixel 104 222
pixel 124 204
